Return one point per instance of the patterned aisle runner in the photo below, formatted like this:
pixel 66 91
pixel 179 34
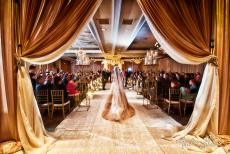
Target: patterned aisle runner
pixel 87 132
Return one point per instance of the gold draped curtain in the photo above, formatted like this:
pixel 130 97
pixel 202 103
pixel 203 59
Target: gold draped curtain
pixel 184 30
pixel 8 128
pixel 184 25
pixel 35 31
pixel 222 43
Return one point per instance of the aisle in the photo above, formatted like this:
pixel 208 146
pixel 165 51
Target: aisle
pixel 87 132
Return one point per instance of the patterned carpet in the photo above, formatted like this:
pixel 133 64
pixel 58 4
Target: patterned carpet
pixel 87 132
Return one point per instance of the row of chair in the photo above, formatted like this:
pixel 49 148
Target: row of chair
pixel 170 96
pixel 175 98
pixel 57 101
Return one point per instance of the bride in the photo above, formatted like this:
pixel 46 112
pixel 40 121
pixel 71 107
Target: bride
pixel 117 107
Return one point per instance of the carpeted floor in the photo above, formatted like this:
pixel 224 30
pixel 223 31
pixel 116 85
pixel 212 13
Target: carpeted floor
pixel 87 132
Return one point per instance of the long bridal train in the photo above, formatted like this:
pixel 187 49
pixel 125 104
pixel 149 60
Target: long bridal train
pixel 117 107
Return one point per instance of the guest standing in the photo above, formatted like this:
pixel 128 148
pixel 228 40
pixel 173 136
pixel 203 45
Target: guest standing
pixel 104 78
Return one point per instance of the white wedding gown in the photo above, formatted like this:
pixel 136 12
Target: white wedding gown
pixel 117 107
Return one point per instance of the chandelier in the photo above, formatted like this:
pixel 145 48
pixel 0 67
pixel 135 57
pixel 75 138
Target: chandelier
pixel 136 60
pixel 113 60
pixel 151 55
pixel 82 58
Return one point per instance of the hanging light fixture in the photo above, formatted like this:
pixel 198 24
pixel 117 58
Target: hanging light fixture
pixel 82 58
pixel 151 55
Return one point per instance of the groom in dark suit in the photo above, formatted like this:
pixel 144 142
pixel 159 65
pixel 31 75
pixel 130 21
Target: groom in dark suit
pixel 104 75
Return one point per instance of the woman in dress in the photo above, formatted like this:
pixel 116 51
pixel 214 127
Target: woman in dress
pixel 117 107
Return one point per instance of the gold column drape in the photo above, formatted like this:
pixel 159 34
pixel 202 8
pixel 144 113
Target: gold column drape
pixel 223 53
pixel 8 128
pixel 183 28
pixel 45 29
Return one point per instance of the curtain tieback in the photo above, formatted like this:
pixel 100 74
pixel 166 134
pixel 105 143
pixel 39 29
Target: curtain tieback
pixel 213 60
pixel 19 60
pixel 19 63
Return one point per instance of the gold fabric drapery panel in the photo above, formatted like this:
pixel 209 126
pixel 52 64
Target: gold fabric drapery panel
pixel 44 31
pixel 51 27
pixel 8 128
pixel 222 44
pixel 183 28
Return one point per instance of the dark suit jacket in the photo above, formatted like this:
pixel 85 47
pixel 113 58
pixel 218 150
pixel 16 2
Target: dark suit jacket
pixel 104 75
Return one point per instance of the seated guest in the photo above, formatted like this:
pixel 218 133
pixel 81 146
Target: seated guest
pixel 192 88
pixel 57 85
pixel 48 82
pixel 165 82
pixel 64 80
pixel 198 79
pixel 33 76
pixel 186 80
pixel 40 83
pixel 174 84
pixel 71 86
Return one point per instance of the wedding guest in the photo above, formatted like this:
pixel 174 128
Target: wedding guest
pixel 174 84
pixel 198 79
pixel 64 80
pixel 104 77
pixel 192 88
pixel 57 85
pixel 48 82
pixel 71 86
pixel 40 83
pixel 33 75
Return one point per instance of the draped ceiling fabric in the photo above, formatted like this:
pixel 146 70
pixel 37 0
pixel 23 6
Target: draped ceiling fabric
pixel 223 53
pixel 45 30
pixel 183 28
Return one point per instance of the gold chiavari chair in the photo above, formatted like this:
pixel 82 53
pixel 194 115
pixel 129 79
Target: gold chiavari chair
pixel 152 94
pixel 42 97
pixel 58 101
pixel 173 99
pixel 188 100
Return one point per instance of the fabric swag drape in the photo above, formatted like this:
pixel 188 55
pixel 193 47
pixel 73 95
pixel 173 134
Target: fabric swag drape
pixel 45 30
pixel 184 32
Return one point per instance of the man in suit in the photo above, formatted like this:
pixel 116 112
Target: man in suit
pixel 33 75
pixel 109 76
pixel 104 76
pixel 40 83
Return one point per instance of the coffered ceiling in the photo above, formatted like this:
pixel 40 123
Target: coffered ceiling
pixel 117 28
